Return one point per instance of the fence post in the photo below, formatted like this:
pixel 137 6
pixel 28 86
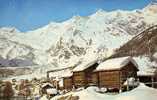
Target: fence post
pixel 48 75
pixel 127 84
pixel 152 81
pixel 120 90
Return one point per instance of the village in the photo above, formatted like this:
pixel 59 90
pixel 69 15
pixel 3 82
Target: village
pixel 114 75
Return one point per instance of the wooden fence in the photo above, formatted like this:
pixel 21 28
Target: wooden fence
pixel 153 84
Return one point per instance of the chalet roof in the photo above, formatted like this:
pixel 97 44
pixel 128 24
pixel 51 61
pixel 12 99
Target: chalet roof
pixel 147 72
pixel 84 65
pixel 69 74
pixel 61 73
pixel 116 63
pixel 46 84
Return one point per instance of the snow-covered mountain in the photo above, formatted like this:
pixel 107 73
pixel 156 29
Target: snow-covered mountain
pixel 67 43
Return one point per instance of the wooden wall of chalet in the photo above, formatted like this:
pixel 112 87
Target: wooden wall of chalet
pixel 95 79
pixel 84 78
pixel 109 79
pixel 68 83
pixel 90 75
pixel 79 79
pixel 146 79
pixel 116 78
pixel 128 71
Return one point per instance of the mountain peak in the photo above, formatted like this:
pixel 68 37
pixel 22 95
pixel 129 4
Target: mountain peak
pixel 99 13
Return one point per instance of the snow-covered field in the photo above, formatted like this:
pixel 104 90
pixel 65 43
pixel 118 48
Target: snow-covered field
pixel 142 92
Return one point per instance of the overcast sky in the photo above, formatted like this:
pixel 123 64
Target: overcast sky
pixel 30 14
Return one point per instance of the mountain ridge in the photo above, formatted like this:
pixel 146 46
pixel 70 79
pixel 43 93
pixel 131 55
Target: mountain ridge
pixel 66 43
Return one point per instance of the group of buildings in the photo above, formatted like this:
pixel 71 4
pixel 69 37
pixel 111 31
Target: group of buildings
pixel 114 73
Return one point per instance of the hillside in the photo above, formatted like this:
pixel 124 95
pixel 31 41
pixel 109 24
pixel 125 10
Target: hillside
pixel 144 44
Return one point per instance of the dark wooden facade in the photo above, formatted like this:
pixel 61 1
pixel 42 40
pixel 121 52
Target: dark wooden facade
pixel 95 79
pixel 115 78
pixel 149 80
pixel 68 83
pixel 84 78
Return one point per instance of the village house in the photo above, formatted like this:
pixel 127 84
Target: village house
pixel 148 76
pixel 61 78
pixel 112 73
pixel 147 73
pixel 58 72
pixel 83 74
pixel 46 86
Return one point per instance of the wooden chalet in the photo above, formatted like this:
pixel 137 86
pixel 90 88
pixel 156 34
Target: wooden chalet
pixel 114 72
pixel 54 73
pixel 148 76
pixel 83 74
pixel 46 86
pixel 61 78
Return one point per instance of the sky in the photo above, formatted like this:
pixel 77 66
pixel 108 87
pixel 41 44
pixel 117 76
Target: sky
pixel 28 15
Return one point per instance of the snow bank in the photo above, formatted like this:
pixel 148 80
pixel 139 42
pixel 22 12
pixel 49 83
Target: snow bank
pixel 142 92
pixel 44 97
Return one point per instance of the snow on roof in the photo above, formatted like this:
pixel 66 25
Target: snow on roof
pixel 87 61
pixel 61 73
pixel 84 65
pixel 147 72
pixel 116 63
pixel 69 74
pixel 45 84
